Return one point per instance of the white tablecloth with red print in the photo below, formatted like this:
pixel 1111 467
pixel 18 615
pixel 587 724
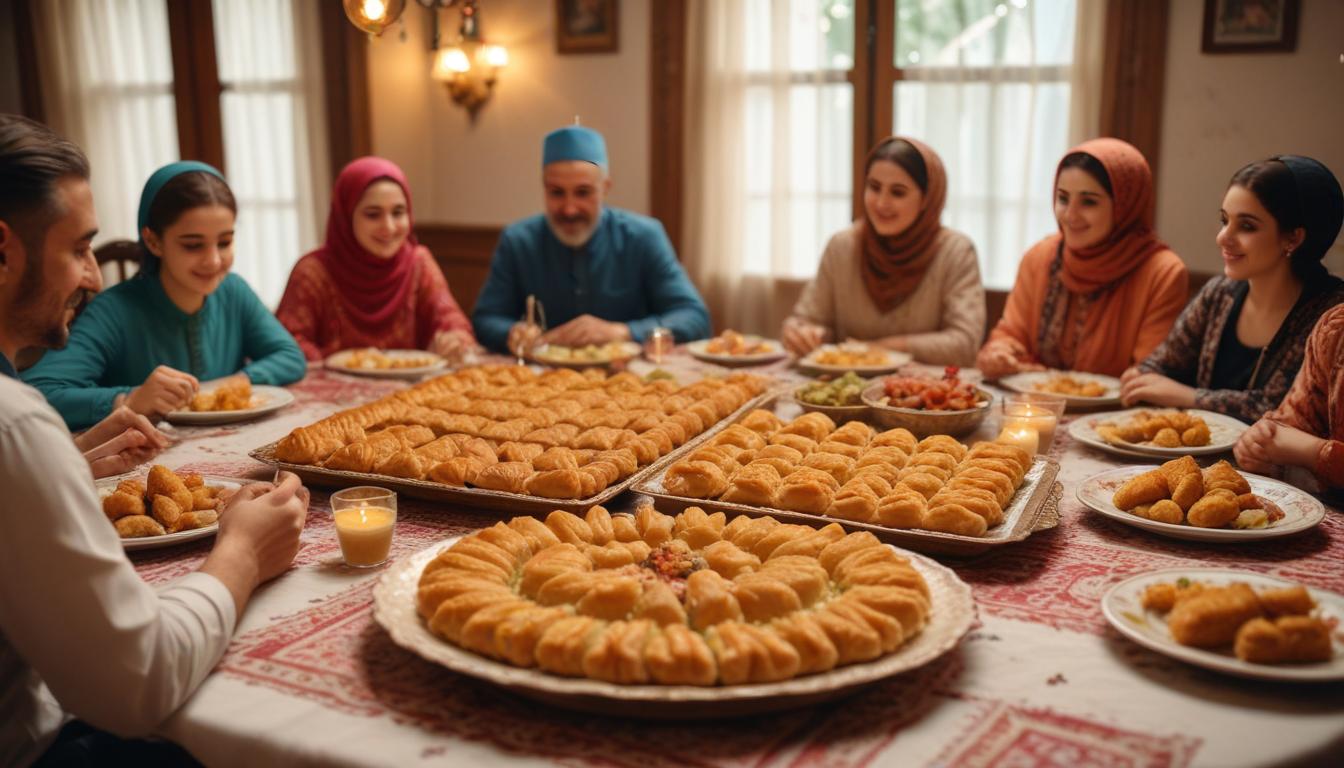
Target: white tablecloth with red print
pixel 1041 680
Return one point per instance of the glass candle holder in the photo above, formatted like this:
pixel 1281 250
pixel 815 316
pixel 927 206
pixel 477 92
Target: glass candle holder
pixel 365 516
pixel 659 344
pixel 1030 420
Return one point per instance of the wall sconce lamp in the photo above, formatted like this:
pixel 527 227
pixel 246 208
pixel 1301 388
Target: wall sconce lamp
pixel 469 65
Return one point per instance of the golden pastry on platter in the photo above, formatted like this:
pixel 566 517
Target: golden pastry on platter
pixel 1163 429
pixel 1180 493
pixel 165 502
pixel 685 600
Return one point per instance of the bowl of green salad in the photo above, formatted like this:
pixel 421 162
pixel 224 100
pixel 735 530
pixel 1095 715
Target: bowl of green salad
pixel 841 397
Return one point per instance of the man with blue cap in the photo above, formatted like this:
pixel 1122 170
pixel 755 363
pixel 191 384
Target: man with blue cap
pixel 602 274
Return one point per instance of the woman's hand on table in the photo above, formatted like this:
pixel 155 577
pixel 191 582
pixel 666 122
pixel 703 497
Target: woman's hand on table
pixel 121 442
pixel 801 336
pixel 166 390
pixel 1268 446
pixel 1004 357
pixel 1156 389
pixel 259 529
pixel 453 346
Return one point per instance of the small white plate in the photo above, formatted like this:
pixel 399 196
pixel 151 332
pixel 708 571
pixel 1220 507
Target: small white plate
pixel 266 400
pixel 623 351
pixel 339 362
pixel 696 349
pixel 1123 607
pixel 1224 431
pixel 1028 381
pixel 894 360
pixel 108 484
pixel 1301 511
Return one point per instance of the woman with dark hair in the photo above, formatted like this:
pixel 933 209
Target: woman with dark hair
pixel 1101 293
pixel 1238 346
pixel 371 284
pixel 897 278
pixel 184 318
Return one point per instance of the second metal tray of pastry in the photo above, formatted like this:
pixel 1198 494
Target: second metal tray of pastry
pixel 501 501
pixel 1033 508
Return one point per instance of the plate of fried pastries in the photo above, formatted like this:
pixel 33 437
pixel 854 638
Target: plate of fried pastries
pixel 690 616
pixel 1159 432
pixel 164 507
pixel 1234 621
pixel 1217 503
pixel 934 495
pixel 863 359
pixel 731 348
pixel 1077 389
pixel 386 363
pixel 232 402
pixel 589 356
pixel 512 438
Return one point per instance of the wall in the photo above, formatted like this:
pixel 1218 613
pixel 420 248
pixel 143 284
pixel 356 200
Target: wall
pixel 1223 111
pixel 11 97
pixel 487 172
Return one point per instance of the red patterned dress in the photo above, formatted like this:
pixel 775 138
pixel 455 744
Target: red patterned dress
pixel 313 312
pixel 1315 404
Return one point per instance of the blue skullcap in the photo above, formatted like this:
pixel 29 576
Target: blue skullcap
pixel 153 187
pixel 574 142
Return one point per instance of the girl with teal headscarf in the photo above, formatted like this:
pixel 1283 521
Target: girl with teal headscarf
pixel 184 318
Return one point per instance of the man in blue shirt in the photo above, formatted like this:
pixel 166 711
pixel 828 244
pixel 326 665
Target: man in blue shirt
pixel 601 274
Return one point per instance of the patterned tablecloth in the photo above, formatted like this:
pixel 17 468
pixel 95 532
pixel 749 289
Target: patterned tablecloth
pixel 310 678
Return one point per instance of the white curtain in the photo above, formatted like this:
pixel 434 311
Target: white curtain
pixel 107 84
pixel 769 148
pixel 1085 79
pixel 987 86
pixel 275 147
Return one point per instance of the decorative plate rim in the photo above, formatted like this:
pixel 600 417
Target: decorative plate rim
pixel 1079 430
pixel 281 398
pixel 1011 382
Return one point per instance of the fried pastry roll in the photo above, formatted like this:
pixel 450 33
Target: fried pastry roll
pixel 138 526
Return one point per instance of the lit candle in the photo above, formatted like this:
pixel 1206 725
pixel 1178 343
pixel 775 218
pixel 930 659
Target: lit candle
pixel 1042 421
pixel 1022 436
pixel 365 534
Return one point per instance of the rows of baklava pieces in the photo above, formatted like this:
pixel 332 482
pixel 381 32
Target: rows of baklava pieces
pixel 854 473
pixel 769 602
pixel 558 434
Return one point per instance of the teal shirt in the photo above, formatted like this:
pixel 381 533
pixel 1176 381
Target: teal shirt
pixel 133 327
pixel 627 272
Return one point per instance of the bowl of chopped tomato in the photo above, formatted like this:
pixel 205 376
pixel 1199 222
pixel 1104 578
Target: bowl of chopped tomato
pixel 926 405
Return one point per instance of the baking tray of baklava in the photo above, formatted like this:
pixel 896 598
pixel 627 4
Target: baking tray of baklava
pixel 934 495
pixel 508 438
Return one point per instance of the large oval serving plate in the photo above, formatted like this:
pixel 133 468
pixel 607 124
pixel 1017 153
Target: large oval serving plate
pixel 1030 380
pixel 428 362
pixel 1224 431
pixel 1301 511
pixel 266 400
pixel 952 615
pixel 1123 607
pixel 107 485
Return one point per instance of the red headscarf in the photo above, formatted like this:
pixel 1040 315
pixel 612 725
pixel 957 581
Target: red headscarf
pixel 1131 239
pixel 894 266
pixel 372 289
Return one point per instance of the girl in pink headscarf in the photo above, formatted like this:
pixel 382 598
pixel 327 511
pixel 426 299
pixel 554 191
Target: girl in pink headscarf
pixel 371 284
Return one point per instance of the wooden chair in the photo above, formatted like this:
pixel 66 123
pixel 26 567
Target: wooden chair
pixel 124 254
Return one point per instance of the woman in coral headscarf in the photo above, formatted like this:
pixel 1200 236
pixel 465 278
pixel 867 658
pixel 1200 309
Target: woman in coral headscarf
pixel 371 284
pixel 1103 292
pixel 897 277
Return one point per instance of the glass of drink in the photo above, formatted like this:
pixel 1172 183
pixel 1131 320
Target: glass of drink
pixel 659 343
pixel 365 516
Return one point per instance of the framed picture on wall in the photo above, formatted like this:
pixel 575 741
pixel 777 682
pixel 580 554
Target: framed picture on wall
pixel 1249 26
pixel 585 26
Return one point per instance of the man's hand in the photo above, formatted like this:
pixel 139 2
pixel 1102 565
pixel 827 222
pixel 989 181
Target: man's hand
pixel 586 329
pixel 166 390
pixel 258 538
pixel 120 442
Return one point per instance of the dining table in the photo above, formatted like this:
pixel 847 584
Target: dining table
pixel 1041 678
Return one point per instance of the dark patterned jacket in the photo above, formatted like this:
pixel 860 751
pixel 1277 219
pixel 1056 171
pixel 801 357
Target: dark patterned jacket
pixel 1189 352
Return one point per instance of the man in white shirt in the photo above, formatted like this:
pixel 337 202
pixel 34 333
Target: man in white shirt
pixel 80 633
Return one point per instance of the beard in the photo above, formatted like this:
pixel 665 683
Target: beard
pixel 573 239
pixel 40 317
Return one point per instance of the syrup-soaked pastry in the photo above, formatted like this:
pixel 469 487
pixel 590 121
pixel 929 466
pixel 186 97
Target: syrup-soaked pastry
pixel 556 484
pixel 362 456
pixel 643 420
pixel 814 426
pixel 598 438
pixel 510 476
pixel 435 451
pixel 404 463
pixel 942 444
pixel 847 450
pixel 556 435
pixel 721 456
pixel 623 528
pixel 982 502
pixel 518 451
pixel 762 422
pixel 904 507
pixel 623 458
pixel 411 435
pixel 900 437
pixel 1005 467
pixel 610 599
pixel 476 447
pixel 705 412
pixel 729 560
pixel 1001 485
pixel 807 490
pixel 922 480
pixel 138 526
pixel 888 473
pixel 604 473
pixel 854 502
pixel 556 458
pixel 833 464
pixel 645 449
pixel 741 437
pixel 875 482
pixel 755 484
pixel 710 600
pixel 654 527
pixel 781 466
pixel 888 455
pixel 937 459
pixel 807 543
pixel 535 532
pixel 458 471
pixel 803 445
pixel 1013 453
pixel 676 655
pixel 695 479
pixel 950 517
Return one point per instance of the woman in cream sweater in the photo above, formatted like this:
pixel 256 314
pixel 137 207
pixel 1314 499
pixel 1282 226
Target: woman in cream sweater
pixel 897 278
